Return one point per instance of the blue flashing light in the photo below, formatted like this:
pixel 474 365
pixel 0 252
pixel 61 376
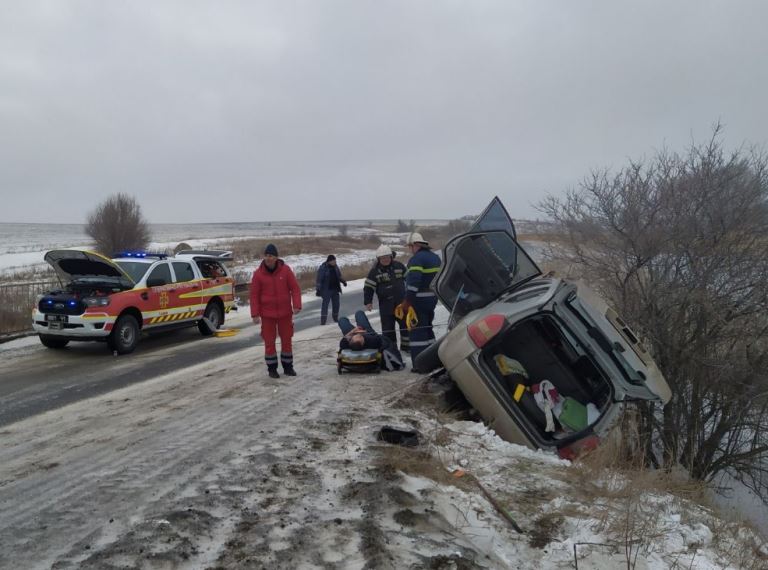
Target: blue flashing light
pixel 49 301
pixel 72 303
pixel 140 254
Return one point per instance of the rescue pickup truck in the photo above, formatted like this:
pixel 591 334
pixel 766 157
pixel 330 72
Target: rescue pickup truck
pixel 115 300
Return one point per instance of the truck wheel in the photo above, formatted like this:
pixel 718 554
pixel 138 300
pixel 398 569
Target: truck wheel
pixel 125 335
pixel 53 342
pixel 428 359
pixel 215 317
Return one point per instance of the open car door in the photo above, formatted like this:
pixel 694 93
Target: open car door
pixel 478 266
pixel 494 217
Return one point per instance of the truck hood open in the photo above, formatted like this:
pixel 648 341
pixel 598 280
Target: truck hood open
pixel 73 265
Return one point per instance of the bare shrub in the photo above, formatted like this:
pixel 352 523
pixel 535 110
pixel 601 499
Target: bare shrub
pixel 678 243
pixel 403 226
pixel 118 224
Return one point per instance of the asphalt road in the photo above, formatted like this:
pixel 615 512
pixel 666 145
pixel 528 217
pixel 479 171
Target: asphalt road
pixel 35 379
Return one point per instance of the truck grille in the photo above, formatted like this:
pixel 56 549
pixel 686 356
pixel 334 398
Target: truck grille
pixel 54 306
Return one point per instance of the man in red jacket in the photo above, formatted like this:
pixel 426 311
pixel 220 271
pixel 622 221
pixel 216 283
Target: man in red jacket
pixel 275 298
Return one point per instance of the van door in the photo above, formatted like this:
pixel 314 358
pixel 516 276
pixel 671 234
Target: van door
pixel 494 217
pixel 483 263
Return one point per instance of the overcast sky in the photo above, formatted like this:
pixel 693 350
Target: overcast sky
pixel 249 111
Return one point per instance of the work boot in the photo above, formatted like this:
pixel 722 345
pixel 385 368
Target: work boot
pixel 322 320
pixel 272 370
pixel 289 371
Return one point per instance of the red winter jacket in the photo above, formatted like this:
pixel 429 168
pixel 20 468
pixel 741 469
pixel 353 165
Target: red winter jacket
pixel 272 292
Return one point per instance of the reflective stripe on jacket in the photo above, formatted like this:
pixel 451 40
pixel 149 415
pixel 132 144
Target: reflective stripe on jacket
pixel 422 269
pixel 387 282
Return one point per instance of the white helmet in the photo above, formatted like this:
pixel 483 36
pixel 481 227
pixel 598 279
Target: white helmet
pixel 416 237
pixel 384 250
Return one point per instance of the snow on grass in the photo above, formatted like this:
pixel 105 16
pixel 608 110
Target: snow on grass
pixel 311 261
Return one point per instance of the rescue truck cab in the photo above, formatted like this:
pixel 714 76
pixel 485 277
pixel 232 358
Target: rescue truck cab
pixel 115 300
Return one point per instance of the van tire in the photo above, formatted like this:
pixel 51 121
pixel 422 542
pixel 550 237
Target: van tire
pixel 428 359
pixel 50 341
pixel 125 335
pixel 215 316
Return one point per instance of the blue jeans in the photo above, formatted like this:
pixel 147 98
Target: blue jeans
pixel 362 321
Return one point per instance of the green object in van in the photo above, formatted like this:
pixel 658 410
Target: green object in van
pixel 574 415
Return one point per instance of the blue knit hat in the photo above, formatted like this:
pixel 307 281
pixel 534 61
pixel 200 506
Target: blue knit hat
pixel 271 249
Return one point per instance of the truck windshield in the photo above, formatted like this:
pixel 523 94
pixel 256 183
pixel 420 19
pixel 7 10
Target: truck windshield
pixel 135 269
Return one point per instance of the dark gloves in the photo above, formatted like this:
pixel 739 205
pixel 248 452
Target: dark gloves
pixel 344 283
pixel 318 293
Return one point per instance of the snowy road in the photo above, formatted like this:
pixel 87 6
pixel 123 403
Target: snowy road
pixel 34 379
pixel 209 467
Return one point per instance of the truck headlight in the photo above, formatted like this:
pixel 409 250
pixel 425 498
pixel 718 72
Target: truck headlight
pixel 96 301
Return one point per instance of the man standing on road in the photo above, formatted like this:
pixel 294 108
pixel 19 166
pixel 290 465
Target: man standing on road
pixel 275 298
pixel 328 286
pixel 422 269
pixel 387 279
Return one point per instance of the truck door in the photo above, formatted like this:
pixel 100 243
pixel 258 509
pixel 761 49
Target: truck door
pixel 186 295
pixel 159 284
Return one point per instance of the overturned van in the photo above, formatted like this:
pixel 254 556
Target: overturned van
pixel 544 360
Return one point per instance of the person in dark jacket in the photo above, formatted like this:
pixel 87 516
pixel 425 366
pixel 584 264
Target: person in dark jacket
pixel 387 280
pixel 328 286
pixel 423 266
pixel 275 298
pixel 364 336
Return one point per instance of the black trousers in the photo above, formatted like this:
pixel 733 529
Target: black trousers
pixel 389 325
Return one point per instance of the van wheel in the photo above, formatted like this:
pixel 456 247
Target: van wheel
pixel 428 359
pixel 215 317
pixel 124 336
pixel 53 342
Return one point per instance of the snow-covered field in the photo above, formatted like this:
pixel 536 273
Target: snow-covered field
pixel 218 466
pixel 22 246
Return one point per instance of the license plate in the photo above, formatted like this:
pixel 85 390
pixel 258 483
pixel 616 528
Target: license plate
pixel 56 318
pixel 55 325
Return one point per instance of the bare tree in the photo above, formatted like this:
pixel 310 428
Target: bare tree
pixel 678 243
pixel 117 224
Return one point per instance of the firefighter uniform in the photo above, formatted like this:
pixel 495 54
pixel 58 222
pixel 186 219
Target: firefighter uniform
pixel 388 282
pixel 422 269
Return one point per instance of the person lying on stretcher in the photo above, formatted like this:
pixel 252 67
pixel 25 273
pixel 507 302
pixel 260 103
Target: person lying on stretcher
pixel 363 336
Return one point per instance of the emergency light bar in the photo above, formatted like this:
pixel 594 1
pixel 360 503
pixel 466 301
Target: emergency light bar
pixel 140 254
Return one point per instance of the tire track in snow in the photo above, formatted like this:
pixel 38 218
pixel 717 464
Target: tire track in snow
pixel 46 505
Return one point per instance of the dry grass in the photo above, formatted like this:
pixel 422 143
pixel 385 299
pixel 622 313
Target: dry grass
pixel 418 463
pixel 246 251
pixel 626 502
pixel 306 278
pixel 13 320
pixel 16 302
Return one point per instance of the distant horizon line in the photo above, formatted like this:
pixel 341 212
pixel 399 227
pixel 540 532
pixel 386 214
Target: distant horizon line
pixel 361 221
